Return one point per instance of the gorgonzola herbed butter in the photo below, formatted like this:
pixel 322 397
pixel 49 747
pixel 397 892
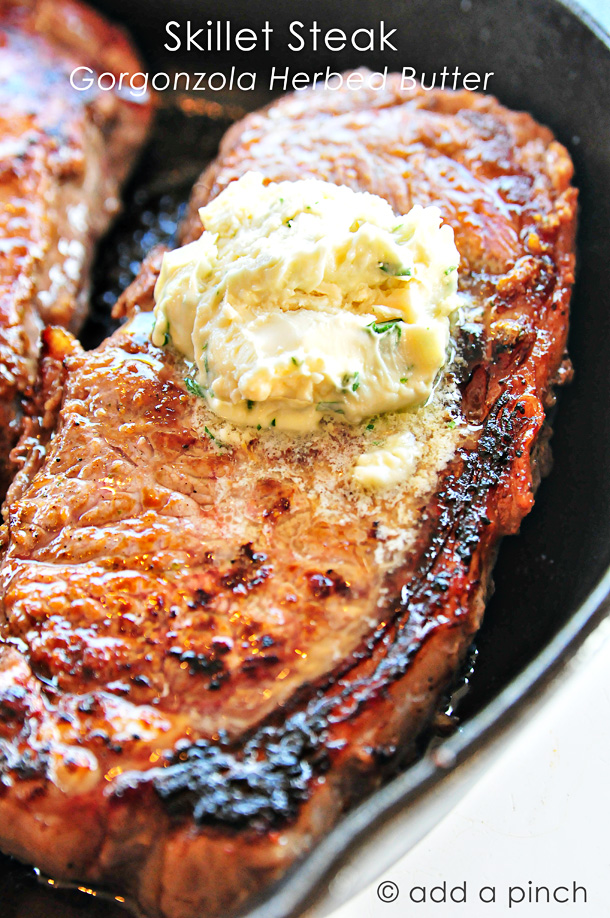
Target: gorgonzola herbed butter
pixel 305 299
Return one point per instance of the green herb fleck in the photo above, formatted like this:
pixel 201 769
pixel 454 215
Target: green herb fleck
pixel 351 380
pixel 193 387
pixel 273 423
pixel 451 425
pixel 330 406
pixel 395 270
pixel 166 338
pixel 289 224
pixel 370 427
pixel 250 404
pixel 296 362
pixel 212 437
pixel 450 269
pixel 258 427
pixel 380 328
pixel 281 200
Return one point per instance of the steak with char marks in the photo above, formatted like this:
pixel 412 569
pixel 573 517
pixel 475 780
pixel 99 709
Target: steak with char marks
pixel 211 644
pixel 63 157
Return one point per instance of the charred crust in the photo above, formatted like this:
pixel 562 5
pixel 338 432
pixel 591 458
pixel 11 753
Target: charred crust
pixel 470 344
pixel 25 766
pixel 89 704
pixel 262 658
pixel 247 571
pixel 260 789
pixel 206 663
pixel 261 782
pixel 222 645
pixel 324 585
pixel 280 506
pixel 200 599
pixel 14 705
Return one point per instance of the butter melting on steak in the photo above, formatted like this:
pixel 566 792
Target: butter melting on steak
pixel 213 644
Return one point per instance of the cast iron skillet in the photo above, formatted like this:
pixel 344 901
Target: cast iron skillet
pixel 553 580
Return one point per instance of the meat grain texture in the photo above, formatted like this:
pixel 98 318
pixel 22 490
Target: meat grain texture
pixel 212 643
pixel 63 157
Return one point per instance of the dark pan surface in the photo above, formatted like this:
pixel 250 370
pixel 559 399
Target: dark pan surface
pixel 548 60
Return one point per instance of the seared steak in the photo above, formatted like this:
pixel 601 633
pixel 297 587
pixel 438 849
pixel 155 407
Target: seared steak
pixel 212 642
pixel 64 155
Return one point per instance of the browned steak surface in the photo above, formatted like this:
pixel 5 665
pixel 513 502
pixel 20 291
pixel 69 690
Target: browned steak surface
pixel 212 643
pixel 63 155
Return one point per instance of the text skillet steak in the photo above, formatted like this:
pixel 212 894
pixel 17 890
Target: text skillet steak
pixel 211 645
pixel 64 156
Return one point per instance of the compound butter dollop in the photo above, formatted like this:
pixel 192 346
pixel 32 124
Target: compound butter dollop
pixel 306 299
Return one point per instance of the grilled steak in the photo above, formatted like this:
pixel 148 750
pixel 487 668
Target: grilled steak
pixel 212 642
pixel 63 156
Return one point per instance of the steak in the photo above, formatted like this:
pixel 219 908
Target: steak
pixel 64 154
pixel 212 644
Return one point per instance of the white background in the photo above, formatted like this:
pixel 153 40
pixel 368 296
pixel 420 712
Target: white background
pixel 539 813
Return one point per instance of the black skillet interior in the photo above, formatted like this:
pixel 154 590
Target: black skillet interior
pixel 545 59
